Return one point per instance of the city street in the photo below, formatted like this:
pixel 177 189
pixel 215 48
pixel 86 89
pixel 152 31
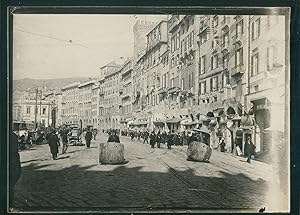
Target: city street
pixel 153 179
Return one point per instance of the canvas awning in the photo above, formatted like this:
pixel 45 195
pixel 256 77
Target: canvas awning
pixel 140 123
pixel 174 120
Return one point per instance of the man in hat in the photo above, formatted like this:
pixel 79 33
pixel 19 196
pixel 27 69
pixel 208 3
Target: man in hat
pixel 88 137
pixel 152 139
pixel 53 142
pixel 113 137
pixel 64 140
pixel 249 149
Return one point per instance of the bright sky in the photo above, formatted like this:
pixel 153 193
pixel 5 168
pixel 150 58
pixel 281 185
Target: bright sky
pixel 62 46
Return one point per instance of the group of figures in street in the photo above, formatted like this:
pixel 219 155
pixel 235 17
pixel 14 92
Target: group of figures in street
pixel 57 136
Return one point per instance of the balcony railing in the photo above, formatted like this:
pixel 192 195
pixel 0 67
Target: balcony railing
pixel 237 38
pixel 238 70
pixel 225 46
pixel 203 27
pixel 225 21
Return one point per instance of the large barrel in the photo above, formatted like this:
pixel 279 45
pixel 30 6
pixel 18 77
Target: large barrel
pixel 111 153
pixel 198 151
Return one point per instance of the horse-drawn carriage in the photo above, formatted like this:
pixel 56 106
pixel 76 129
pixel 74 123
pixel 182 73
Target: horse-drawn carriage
pixel 74 136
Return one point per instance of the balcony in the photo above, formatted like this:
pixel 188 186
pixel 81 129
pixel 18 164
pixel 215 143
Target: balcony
pixel 215 48
pixel 225 66
pixel 173 22
pixel 238 70
pixel 225 21
pixel 225 47
pixel 237 39
pixel 203 27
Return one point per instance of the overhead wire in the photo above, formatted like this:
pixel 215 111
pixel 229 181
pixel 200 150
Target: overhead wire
pixel 50 37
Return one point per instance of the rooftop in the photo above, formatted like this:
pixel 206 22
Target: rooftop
pixel 71 86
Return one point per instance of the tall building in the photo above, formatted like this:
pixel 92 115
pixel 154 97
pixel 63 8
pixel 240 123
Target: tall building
pixel 126 93
pixel 70 98
pixel 95 104
pixel 101 105
pixel 112 98
pixel 85 103
pixel 140 30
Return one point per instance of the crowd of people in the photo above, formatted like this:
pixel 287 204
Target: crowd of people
pixel 158 137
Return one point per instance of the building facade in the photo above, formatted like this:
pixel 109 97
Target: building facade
pixel 85 103
pixel 112 99
pixel 95 104
pixel 126 93
pixel 70 99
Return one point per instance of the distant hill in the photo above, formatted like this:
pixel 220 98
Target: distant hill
pixel 24 84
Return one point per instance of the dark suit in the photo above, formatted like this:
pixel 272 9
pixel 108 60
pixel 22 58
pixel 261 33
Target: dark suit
pixel 88 138
pixel 14 166
pixel 113 138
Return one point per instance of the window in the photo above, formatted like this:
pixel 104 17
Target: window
pixel 190 80
pixel 177 59
pixel 239 28
pixel 203 87
pixel 225 38
pixel 215 83
pixel 177 41
pixel 172 62
pixel 215 98
pixel 254 64
pixel 44 110
pixel 202 64
pixel 225 77
pixel 255 29
pixel 203 37
pixel 28 110
pixel 215 21
pixel 214 61
pixel 239 57
pixel 225 60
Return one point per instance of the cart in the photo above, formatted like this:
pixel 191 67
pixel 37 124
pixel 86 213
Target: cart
pixel 74 137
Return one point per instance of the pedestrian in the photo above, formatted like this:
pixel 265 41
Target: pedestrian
pixel 249 149
pixel 158 139
pixel 95 132
pixel 53 142
pixel 88 138
pixel 64 140
pixel 22 143
pixel 164 137
pixel 113 137
pixel 169 140
pixel 222 144
pixel 152 139
pixel 146 135
pixel 14 166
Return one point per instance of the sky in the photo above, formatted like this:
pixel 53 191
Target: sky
pixel 62 46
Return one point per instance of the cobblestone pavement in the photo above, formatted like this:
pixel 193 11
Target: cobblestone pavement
pixel 153 179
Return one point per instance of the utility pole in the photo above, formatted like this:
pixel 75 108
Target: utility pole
pixel 35 108
pixel 41 106
pixel 249 62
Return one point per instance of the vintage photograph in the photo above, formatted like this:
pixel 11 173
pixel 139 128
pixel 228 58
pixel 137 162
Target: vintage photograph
pixel 147 112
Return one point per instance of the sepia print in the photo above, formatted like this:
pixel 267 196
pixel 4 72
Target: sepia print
pixel 124 112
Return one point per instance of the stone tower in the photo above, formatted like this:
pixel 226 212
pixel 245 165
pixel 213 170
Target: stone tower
pixel 140 30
